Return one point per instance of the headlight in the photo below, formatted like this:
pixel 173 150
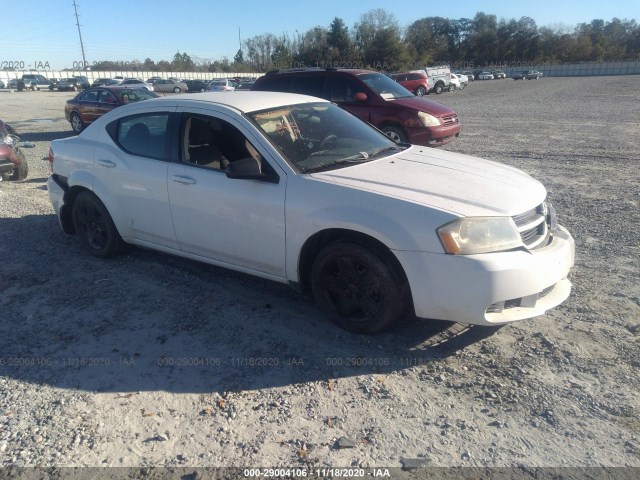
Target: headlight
pixel 471 235
pixel 429 120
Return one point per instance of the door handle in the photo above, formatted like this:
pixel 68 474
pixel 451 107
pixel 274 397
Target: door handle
pixel 183 180
pixel 106 163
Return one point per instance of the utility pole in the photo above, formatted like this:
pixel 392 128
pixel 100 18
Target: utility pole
pixel 84 60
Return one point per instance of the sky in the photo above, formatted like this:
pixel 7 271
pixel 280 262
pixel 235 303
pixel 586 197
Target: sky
pixel 44 35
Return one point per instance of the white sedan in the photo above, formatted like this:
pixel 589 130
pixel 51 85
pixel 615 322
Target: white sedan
pixel 294 189
pixel 485 76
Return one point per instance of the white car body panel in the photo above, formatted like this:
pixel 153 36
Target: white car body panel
pixel 262 227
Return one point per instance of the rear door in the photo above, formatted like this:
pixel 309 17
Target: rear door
pixel 131 163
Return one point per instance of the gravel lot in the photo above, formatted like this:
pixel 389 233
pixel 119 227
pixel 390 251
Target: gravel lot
pixel 150 360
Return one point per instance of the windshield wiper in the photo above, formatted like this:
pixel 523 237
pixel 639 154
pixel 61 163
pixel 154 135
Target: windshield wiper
pixel 384 149
pixel 361 157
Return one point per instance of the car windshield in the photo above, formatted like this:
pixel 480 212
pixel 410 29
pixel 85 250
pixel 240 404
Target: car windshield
pixel 322 136
pixel 384 86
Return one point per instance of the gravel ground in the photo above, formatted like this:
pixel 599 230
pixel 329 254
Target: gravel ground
pixel 150 360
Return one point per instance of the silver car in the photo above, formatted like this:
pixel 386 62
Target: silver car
pixel 221 85
pixel 170 85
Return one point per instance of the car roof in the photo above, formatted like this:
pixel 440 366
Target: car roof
pixel 243 101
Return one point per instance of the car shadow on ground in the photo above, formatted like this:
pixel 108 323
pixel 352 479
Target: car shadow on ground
pixel 147 321
pixel 45 136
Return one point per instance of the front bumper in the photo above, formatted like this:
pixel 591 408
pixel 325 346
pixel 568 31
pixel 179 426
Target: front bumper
pixel 490 289
pixel 433 136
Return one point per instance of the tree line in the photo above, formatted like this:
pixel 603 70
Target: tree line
pixel 377 41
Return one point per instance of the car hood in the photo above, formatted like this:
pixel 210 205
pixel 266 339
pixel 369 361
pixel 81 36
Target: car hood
pixel 460 184
pixel 419 103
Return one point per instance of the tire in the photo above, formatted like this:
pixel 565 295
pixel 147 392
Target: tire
pixel 356 288
pixel 177 90
pixel 21 172
pixel 462 86
pixel 76 122
pixel 420 91
pixel 94 226
pixel 452 87
pixel 439 88
pixel 395 134
pixel 202 90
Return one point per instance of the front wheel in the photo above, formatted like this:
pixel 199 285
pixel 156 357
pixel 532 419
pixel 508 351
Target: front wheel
pixel 176 90
pixel 94 226
pixel 356 288
pixel 439 88
pixel 22 170
pixel 395 134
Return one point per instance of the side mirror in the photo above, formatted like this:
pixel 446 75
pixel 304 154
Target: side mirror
pixel 249 169
pixel 360 97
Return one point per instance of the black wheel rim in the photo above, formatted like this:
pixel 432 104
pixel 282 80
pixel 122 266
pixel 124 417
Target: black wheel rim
pixel 352 289
pixel 92 226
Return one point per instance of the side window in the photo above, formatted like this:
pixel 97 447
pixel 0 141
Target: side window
pixel 344 89
pixel 105 97
pixel 214 143
pixel 91 96
pixel 309 85
pixel 144 135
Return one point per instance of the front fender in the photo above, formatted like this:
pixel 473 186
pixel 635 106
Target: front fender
pixel 314 206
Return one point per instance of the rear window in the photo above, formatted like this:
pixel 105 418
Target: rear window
pixel 275 84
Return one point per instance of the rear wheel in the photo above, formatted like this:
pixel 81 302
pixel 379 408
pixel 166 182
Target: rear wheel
pixel 76 122
pixel 94 226
pixel 176 90
pixel 452 87
pixel 356 288
pixel 420 91
pixel 439 88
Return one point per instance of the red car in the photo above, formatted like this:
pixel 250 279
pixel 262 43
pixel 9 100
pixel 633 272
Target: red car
pixel 374 98
pixel 95 102
pixel 13 164
pixel 415 82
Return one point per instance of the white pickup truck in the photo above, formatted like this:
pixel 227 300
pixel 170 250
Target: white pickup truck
pixel 439 78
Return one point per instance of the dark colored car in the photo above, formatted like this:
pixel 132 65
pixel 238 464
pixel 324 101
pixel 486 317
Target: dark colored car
pixel 374 98
pixel 196 85
pixel 245 85
pixel 71 84
pixel 100 82
pixel 95 102
pixel 527 75
pixel 35 82
pixel 416 82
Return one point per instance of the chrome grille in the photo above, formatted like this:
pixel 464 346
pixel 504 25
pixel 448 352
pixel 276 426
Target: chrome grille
pixel 533 226
pixel 450 120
